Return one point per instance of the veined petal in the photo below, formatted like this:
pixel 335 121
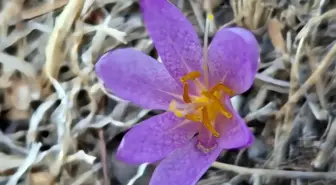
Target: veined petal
pixel 250 39
pixel 185 166
pixel 233 59
pixel 206 138
pixel 138 78
pixel 234 133
pixel 174 37
pixel 155 138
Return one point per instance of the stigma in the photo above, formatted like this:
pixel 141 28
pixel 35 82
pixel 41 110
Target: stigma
pixel 204 107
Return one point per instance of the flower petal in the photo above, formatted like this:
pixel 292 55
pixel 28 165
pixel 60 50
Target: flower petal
pixel 155 138
pixel 174 37
pixel 234 133
pixel 138 78
pixel 185 166
pixel 206 138
pixel 233 59
pixel 250 39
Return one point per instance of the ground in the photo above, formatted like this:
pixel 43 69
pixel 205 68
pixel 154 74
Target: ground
pixel 60 126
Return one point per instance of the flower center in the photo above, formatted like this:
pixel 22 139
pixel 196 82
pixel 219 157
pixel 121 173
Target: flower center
pixel 204 107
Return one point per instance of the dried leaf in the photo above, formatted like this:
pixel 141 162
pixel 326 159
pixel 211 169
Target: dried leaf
pixel 274 31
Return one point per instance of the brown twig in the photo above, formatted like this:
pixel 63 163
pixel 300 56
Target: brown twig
pixel 274 31
pixel 325 153
pixel 310 81
pixel 275 173
pixel 103 156
pixel 283 130
pixel 266 111
pixel 320 69
pixel 320 83
pixel 42 9
pixel 60 31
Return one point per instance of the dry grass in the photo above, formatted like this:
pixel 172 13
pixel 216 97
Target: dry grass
pixel 60 126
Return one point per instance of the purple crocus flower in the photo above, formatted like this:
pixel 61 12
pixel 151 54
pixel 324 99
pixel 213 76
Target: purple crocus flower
pixel 193 84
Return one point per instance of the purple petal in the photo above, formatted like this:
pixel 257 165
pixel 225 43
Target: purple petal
pixel 155 138
pixel 233 59
pixel 234 133
pixel 250 39
pixel 174 37
pixel 185 166
pixel 136 77
pixel 206 138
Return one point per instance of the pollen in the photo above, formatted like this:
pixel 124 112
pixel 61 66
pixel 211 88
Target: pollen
pixel 203 108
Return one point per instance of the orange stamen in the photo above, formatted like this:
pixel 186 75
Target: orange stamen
pixel 207 123
pixel 186 97
pixel 223 88
pixel 193 117
pixel 190 76
pixel 222 109
pixel 203 108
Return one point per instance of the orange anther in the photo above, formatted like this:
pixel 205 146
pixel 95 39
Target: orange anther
pixel 223 88
pixel 193 117
pixel 222 109
pixel 190 76
pixel 207 123
pixel 186 97
pixel 204 107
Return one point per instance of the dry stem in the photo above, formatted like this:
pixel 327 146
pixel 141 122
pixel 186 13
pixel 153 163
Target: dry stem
pixel 275 173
